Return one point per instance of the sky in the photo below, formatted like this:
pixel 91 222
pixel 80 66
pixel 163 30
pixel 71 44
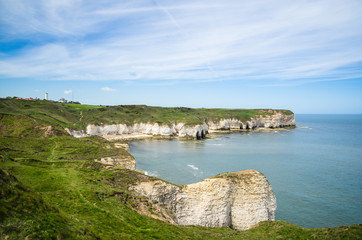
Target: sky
pixel 301 55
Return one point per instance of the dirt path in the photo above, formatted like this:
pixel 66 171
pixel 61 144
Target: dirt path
pixel 52 153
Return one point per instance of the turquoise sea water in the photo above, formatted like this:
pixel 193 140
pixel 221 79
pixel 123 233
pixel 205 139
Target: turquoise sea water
pixel 315 169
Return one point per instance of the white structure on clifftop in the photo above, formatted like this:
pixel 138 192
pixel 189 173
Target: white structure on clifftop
pixel 46 96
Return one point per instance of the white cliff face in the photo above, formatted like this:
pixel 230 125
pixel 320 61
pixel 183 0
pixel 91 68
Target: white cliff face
pixel 76 133
pixel 197 131
pixel 226 124
pixel 180 130
pixel 276 120
pixel 239 200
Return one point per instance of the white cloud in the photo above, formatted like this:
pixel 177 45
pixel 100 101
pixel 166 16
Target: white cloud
pixel 108 89
pixel 68 91
pixel 285 42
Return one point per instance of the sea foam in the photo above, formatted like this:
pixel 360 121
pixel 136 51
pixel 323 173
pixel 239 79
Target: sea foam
pixel 193 167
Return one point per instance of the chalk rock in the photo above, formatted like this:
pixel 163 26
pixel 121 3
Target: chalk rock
pixel 127 162
pixel 275 120
pixel 181 130
pixel 225 124
pixel 237 199
pixel 195 131
pixel 76 133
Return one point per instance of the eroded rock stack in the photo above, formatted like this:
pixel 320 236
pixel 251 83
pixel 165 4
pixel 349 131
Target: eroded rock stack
pixel 238 199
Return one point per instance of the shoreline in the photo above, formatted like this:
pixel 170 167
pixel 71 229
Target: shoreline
pixel 138 136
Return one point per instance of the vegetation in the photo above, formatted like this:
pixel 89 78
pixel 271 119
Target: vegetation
pixel 77 116
pixel 51 187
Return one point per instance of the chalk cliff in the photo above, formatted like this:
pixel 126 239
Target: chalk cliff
pixel 238 199
pixel 155 129
pixel 275 120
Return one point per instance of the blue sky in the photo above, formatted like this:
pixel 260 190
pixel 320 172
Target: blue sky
pixel 300 55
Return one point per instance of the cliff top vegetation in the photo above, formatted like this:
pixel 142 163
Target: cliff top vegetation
pixel 18 116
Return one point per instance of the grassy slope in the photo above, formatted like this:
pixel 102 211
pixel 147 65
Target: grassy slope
pixel 18 117
pixel 75 116
pixel 51 188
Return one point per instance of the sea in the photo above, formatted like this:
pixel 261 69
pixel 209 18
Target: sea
pixel 315 169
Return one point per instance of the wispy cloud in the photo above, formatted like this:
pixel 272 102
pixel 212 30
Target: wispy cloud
pixel 108 89
pixel 193 41
pixel 68 91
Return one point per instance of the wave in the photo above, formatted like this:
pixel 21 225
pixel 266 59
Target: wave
pixel 153 174
pixel 193 167
pixel 306 127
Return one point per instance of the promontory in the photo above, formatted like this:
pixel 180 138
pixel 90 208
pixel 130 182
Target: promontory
pixel 60 178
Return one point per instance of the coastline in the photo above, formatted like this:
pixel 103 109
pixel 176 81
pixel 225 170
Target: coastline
pixel 138 136
pixel 301 164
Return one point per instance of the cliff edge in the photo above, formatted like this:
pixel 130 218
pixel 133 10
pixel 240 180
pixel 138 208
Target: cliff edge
pixel 274 119
pixel 238 200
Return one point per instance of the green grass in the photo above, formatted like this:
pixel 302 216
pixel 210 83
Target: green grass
pixel 50 188
pixel 139 113
pixel 42 113
pixel 76 116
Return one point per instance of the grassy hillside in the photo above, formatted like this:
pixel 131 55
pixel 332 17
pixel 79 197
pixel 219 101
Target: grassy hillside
pixel 18 115
pixel 52 189
pixel 25 118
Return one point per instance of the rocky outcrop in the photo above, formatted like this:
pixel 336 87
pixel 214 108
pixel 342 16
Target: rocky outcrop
pixel 76 133
pixel 124 160
pixel 274 120
pixel 239 199
pixel 127 162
